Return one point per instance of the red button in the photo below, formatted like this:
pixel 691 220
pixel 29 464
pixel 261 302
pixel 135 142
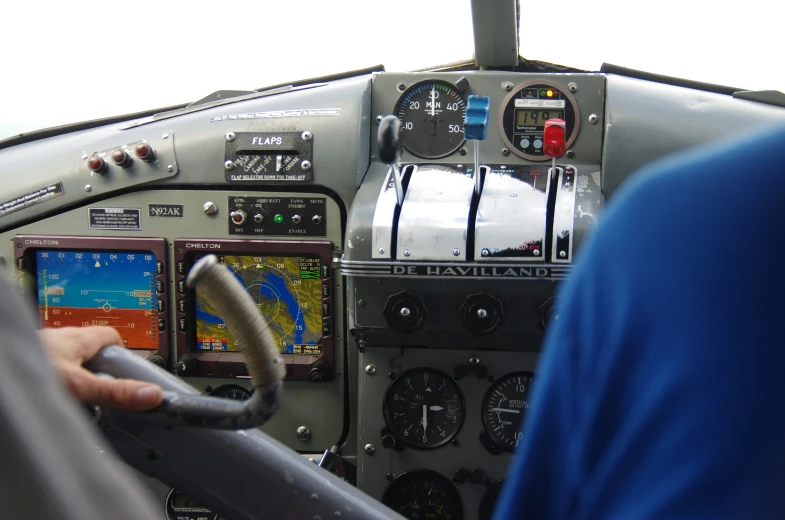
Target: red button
pixel 144 151
pixel 553 138
pixel 96 164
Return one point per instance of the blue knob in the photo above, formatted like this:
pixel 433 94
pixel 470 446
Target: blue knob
pixel 475 125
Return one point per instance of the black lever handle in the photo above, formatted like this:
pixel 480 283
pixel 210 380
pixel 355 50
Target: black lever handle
pixel 389 140
pixel 260 351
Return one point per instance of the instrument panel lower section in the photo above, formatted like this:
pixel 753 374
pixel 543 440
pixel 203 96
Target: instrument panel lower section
pixel 466 469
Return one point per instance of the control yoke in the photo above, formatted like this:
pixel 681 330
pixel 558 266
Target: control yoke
pixel 265 366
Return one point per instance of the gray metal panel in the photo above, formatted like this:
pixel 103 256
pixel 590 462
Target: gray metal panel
pixel 320 406
pixel 341 145
pixel 645 121
pixel 372 469
pixel 495 25
pixel 434 219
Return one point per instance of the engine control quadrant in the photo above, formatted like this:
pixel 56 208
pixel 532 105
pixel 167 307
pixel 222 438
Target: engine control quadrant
pixel 110 288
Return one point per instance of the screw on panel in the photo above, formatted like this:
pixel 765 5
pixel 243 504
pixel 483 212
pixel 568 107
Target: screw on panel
pixel 463 151
pixel 170 168
pixel 303 433
pixel 370 370
pixel 455 442
pixel 405 312
pixel 87 187
pixel 379 119
pixel 406 252
pixel 536 252
pixel 369 449
pixel 562 254
pixel 390 477
pixel 507 86
pixel 84 155
pixel 361 302
pixel 474 360
pixel 401 86
pixel 482 314
pixel 305 165
pixel 381 250
pixel 505 152
pixel 228 165
pixel 165 136
pixel 593 119
pixel 306 136
pixel 230 136
pixel 573 87
pixel 456 252
pixel 570 153
pixel 210 208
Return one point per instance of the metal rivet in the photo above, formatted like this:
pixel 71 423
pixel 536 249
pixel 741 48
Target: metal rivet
pixel 228 165
pixel 405 312
pixel 230 136
pixel 87 187
pixel 379 119
pixel 390 477
pixel 570 153
pixel 507 86
pixel 165 136
pixel 463 151
pixel 563 254
pixel 505 152
pixel 406 252
pixel 474 360
pixel 482 314
pixel 303 433
pixel 369 449
pixel 306 136
pixel 536 252
pixel 593 119
pixel 486 252
pixel 381 250
pixel 456 252
pixel 170 168
pixel 305 165
pixel 210 208
pixel 361 302
pixel 370 370
pixel 84 155
pixel 573 87
pixel 401 86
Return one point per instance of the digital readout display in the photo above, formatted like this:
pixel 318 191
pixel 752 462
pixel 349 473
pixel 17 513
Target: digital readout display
pixel 84 288
pixel 288 292
pixel 535 117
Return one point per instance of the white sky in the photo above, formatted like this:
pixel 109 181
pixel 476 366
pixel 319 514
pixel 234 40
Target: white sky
pixel 71 61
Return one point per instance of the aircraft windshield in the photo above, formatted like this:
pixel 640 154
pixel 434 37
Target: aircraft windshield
pixel 89 59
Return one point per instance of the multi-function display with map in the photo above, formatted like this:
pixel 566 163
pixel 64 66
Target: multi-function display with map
pixel 288 292
pixel 115 289
pixel 292 285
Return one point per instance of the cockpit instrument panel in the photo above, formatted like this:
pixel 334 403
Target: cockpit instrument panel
pixel 424 494
pixel 431 113
pixel 524 111
pixel 288 281
pixel 113 282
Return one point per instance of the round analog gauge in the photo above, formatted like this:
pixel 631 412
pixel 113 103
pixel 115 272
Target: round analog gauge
pixel 488 503
pixel 179 506
pixel 431 113
pixel 238 393
pixel 504 407
pixel 523 114
pixel 424 408
pixel 424 494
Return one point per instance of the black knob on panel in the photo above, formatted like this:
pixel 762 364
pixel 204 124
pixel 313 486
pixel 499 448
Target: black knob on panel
pixel 389 442
pixel 477 476
pixel 389 139
pixel 404 312
pixel 319 372
pixel 546 309
pixel 481 313
pixel 187 365
pixel 157 360
pixel 460 475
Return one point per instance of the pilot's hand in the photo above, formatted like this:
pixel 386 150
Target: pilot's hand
pixel 70 347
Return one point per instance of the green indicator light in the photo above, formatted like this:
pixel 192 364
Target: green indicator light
pixel 542 93
pixel 278 218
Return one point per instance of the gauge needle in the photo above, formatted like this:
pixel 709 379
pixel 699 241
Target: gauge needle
pixel 505 410
pixel 424 418
pixel 437 408
pixel 433 101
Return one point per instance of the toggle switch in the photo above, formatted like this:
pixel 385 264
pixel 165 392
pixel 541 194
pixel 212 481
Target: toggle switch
pixel 238 217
